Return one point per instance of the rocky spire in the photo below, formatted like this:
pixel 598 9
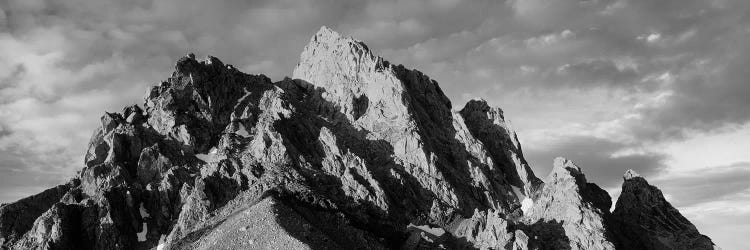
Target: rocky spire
pixel 630 174
pixel 488 125
pixel 648 221
pixel 409 111
pixel 569 202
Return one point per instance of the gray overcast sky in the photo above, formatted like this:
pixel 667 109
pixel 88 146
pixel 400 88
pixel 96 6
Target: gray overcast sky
pixel 659 86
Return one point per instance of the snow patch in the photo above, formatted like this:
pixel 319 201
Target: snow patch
pixel 162 240
pixel 203 157
pixel 526 202
pixel 526 205
pixel 242 131
pixel 142 234
pixel 210 157
pixel 144 213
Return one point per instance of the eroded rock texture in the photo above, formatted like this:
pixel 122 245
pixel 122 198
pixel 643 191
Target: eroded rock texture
pixel 352 152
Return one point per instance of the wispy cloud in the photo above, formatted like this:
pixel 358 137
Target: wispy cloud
pixel 716 199
pixel 719 183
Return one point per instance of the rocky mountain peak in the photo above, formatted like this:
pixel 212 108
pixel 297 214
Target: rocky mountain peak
pixel 564 168
pixel 352 152
pixel 630 174
pixel 575 206
pixel 648 221
pixel 328 36
pixel 479 105
pixel 489 126
pixel 331 58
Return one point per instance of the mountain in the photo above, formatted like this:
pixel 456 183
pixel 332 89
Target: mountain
pixel 352 152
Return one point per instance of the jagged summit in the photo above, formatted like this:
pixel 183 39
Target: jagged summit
pixel 630 174
pixel 481 106
pixel 327 35
pixel 642 212
pixel 329 52
pixel 325 30
pixel 352 152
pixel 563 164
pixel 488 125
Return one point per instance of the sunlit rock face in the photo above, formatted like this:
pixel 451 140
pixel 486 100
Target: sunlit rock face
pixel 351 152
pixel 578 207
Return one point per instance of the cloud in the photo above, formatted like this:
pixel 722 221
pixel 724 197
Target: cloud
pixel 706 185
pixel 724 225
pixel 540 14
pixel 18 181
pixel 716 199
pixel 416 21
pixel 599 72
pixel 711 94
pixel 692 50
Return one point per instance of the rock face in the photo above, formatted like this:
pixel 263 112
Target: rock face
pixel 578 207
pixel 648 221
pixel 488 125
pixel 352 152
pixel 18 217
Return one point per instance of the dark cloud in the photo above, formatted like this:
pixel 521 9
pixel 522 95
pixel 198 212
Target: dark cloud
pixel 4 131
pixel 706 185
pixel 598 158
pixel 12 77
pixel 708 96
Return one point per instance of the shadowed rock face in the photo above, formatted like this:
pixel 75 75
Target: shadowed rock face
pixel 19 217
pixel 352 152
pixel 648 221
pixel 488 125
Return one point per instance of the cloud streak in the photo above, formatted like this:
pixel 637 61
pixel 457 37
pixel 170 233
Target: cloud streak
pixel 706 185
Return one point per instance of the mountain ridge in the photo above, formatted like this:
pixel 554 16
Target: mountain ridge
pixel 351 152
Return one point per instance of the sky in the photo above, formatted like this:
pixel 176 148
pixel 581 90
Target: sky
pixel 658 86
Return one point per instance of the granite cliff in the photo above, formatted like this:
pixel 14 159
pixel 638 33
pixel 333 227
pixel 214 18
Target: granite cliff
pixel 351 152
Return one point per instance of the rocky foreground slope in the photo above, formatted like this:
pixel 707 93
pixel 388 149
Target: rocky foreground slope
pixel 352 152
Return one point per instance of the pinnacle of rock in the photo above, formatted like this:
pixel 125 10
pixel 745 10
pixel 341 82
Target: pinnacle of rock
pixel 579 207
pixel 351 152
pixel 326 34
pixel 646 220
pixel 489 126
pixel 630 174
pixel 563 164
